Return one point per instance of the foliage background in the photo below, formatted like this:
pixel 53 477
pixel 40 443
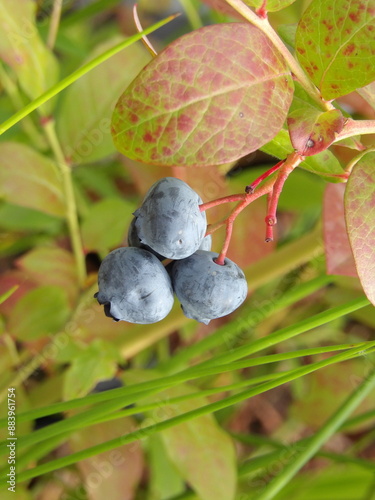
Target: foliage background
pixel 57 345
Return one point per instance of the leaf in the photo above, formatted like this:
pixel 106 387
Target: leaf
pixel 97 362
pixel 11 279
pixel 165 481
pixel 339 257
pixel 51 266
pixel 16 218
pixel 324 163
pixel 83 122
pixel 23 49
pixel 106 224
pixel 40 312
pixel 335 44
pixel 312 131
pixel 205 100
pixel 29 179
pixel 360 221
pixel 113 474
pixel 202 452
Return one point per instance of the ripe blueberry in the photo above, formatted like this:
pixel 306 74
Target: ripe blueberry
pixel 134 286
pixel 205 289
pixel 169 220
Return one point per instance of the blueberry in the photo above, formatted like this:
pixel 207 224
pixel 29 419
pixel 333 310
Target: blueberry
pixel 134 286
pixel 134 241
pixel 169 220
pixel 205 289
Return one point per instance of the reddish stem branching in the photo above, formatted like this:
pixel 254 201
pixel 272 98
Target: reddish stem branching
pixel 272 188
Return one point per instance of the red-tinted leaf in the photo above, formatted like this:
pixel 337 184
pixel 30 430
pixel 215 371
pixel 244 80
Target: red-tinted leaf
pixel 360 220
pixel 210 97
pixel 339 257
pixel 312 131
pixel 335 44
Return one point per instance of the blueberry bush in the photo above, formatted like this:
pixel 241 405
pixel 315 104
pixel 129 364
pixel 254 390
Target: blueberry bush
pixel 187 249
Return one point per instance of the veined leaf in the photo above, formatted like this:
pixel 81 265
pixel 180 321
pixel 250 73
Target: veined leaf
pixel 335 43
pixel 29 179
pixel 360 220
pixel 22 48
pixel 211 97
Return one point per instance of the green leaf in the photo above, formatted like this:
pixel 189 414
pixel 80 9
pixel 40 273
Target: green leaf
pixel 335 44
pixel 51 266
pixel 83 122
pixel 312 131
pixel 324 163
pixel 29 179
pixel 40 312
pixel 205 100
pixel 360 220
pixel 202 452
pixel 165 481
pixel 22 48
pixel 106 225
pixel 16 218
pixel 344 482
pixel 97 362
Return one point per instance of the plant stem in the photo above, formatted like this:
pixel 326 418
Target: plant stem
pixel 71 209
pixel 54 24
pixel 65 82
pixel 28 125
pixel 263 24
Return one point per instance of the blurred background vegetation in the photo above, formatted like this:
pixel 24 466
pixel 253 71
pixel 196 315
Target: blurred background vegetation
pixel 57 345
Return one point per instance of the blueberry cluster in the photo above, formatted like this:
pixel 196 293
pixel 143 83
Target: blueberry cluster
pixel 135 286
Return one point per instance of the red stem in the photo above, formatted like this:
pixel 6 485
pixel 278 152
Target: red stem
pixel 221 201
pixel 251 187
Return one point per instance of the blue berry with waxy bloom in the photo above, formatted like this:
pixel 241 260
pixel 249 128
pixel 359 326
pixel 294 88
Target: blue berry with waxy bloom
pixel 134 286
pixel 169 220
pixel 205 289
